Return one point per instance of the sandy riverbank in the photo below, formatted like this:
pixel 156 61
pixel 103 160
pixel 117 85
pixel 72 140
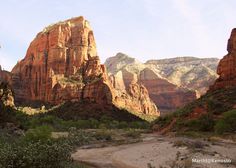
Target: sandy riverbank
pixel 158 151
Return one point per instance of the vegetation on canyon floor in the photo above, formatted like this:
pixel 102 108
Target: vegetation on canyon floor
pixel 45 140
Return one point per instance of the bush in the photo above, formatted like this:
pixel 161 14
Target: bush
pixel 41 154
pixel 163 121
pixel 139 125
pixel 221 127
pixel 78 137
pixel 42 133
pixel 132 133
pixel 227 123
pixel 204 123
pixel 103 135
pixel 216 107
pixel 123 124
pixel 38 150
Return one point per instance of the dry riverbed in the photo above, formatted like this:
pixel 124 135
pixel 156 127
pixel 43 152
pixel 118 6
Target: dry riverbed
pixel 156 151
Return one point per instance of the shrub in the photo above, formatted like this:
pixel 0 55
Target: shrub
pixel 132 133
pixel 164 120
pixel 227 123
pixel 139 125
pixel 114 124
pixel 94 123
pixel 123 124
pixel 41 154
pixel 83 124
pixel 103 135
pixel 216 106
pixel 78 137
pixel 221 127
pixel 204 123
pixel 42 133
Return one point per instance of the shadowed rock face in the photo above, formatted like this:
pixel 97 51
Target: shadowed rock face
pixel 5 76
pixel 61 64
pixel 227 66
pixel 6 95
pixel 171 83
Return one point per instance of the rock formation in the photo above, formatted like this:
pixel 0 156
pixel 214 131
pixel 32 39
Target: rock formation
pixel 208 113
pixel 5 76
pixel 165 94
pixel 187 72
pixel 6 95
pixel 227 66
pixel 61 64
pixel 171 83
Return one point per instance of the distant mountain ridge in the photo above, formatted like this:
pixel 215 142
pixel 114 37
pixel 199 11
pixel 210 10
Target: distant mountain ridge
pixel 215 111
pixel 181 60
pixel 171 82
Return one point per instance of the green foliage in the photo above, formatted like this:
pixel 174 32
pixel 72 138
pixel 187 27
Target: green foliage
pixel 37 149
pixel 216 106
pixel 215 103
pixel 132 133
pixel 41 133
pixel 10 115
pixel 163 121
pixel 139 125
pixel 78 138
pixel 64 125
pixel 103 135
pixel 204 123
pixel 227 123
pixel 40 154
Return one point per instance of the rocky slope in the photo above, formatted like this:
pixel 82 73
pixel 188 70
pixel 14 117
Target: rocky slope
pixel 61 64
pixel 171 83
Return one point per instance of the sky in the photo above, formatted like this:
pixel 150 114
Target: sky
pixel 144 29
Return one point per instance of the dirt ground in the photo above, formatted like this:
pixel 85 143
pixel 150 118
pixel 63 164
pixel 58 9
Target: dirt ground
pixel 157 151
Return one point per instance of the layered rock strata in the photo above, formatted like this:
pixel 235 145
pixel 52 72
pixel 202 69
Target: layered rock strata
pixel 227 66
pixel 171 83
pixel 61 64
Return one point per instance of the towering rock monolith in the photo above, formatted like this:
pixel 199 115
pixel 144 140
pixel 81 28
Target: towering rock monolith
pixel 227 66
pixel 61 64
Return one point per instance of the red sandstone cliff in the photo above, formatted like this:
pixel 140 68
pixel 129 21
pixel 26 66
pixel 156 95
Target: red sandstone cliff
pixel 61 64
pixel 227 66
pixel 211 109
pixel 166 94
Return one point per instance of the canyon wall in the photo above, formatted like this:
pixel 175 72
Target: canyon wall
pixel 171 83
pixel 227 66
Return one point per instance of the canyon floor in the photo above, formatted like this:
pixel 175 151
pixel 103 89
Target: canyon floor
pixel 157 151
